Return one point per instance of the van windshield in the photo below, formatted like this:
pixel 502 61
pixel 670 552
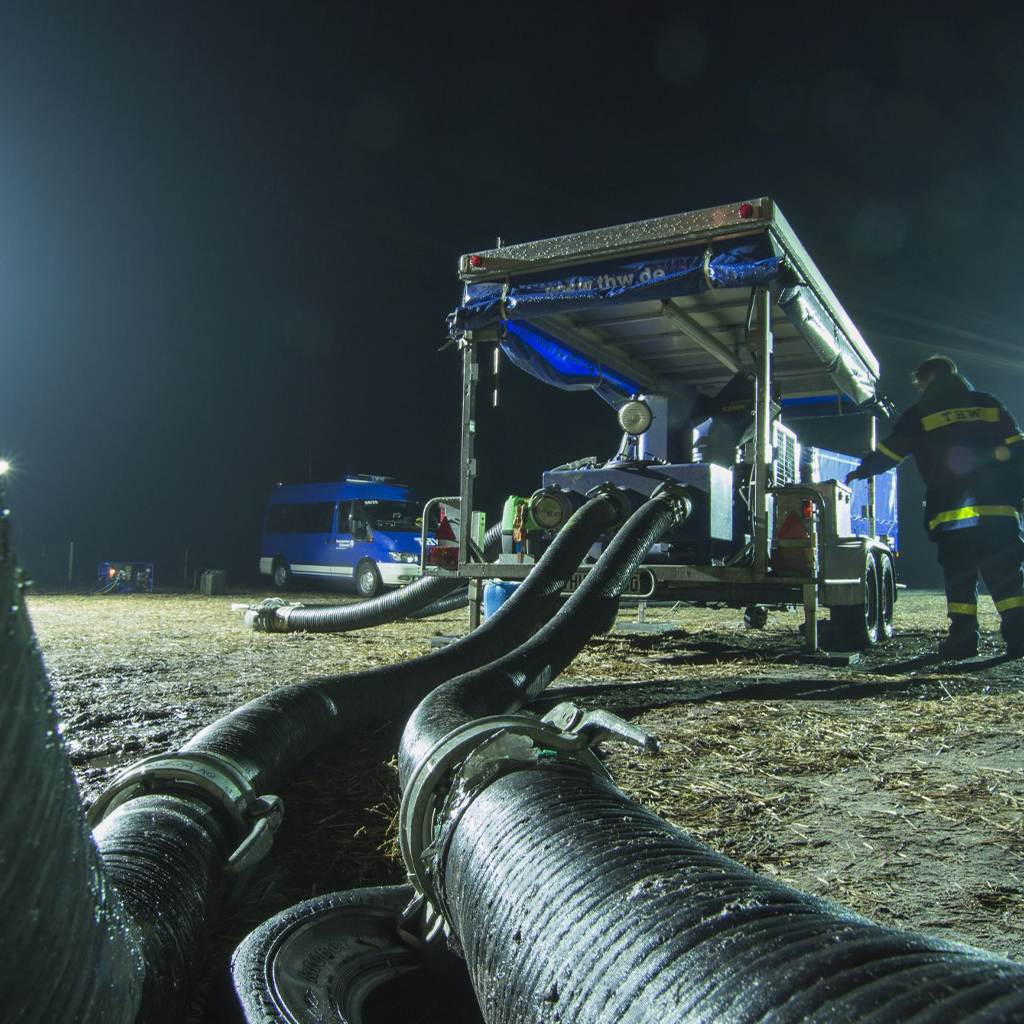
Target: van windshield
pixel 393 516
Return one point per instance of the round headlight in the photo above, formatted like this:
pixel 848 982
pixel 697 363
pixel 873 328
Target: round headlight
pixel 635 417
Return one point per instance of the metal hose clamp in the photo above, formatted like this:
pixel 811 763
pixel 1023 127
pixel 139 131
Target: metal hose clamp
pixel 463 763
pixel 211 777
pixel 618 498
pixel 269 616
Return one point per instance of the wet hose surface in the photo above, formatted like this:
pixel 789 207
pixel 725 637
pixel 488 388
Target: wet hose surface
pixel 572 903
pixel 166 852
pixel 70 951
pixel 164 855
pixel 386 608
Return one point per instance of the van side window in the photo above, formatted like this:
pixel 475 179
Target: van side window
pixel 309 517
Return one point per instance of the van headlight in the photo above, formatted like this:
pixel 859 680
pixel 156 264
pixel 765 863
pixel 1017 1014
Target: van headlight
pixel 404 556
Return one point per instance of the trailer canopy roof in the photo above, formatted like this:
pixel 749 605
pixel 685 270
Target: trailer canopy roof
pixel 663 304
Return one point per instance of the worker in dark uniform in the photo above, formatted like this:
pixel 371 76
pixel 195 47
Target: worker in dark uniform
pixel 970 453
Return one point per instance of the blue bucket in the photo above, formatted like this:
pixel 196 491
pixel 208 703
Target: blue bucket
pixel 496 593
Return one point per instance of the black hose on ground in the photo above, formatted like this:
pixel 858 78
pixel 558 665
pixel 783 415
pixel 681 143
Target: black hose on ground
pixel 573 903
pixel 168 846
pixel 70 951
pixel 268 735
pixel 339 618
pixel 448 603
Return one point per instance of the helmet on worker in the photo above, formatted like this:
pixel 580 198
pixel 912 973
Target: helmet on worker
pixel 931 368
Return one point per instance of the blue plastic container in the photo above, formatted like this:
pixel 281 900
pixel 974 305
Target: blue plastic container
pixel 496 593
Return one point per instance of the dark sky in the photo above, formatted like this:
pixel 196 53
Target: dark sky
pixel 229 232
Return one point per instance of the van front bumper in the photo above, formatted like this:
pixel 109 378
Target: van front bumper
pixel 398 574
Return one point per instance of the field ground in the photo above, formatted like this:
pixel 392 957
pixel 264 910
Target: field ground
pixel 894 786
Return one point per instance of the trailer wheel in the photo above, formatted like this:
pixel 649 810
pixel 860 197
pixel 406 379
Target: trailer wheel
pixel 857 626
pixel 340 957
pixel 367 578
pixel 886 596
pixel 755 616
pixel 282 575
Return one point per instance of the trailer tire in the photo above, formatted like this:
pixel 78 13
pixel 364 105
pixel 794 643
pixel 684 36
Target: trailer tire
pixel 342 951
pixel 886 596
pixel 755 616
pixel 857 626
pixel 281 574
pixel 367 578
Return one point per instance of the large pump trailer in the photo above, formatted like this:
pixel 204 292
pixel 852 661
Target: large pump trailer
pixel 714 337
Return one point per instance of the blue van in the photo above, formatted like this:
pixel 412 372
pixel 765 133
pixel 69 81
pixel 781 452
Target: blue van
pixel 365 529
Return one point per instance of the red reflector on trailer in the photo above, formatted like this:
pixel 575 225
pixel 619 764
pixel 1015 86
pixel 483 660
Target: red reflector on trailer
pixel 746 211
pixel 476 261
pixel 807 508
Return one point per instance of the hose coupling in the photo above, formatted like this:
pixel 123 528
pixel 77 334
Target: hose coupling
pixel 214 779
pixel 462 764
pixel 618 498
pixel 269 616
pixel 682 496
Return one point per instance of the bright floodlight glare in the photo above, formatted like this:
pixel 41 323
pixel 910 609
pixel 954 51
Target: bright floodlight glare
pixel 4 466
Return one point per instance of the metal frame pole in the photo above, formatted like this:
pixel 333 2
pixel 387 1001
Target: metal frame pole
pixel 763 445
pixel 467 469
pixel 872 446
pixel 470 378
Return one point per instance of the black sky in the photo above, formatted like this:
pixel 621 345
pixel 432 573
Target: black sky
pixel 229 232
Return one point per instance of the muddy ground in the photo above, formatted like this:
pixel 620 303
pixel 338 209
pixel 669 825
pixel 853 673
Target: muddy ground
pixel 894 785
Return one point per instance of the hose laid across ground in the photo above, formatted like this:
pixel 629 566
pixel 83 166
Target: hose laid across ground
pixel 269 734
pixel 570 902
pixel 573 903
pixel 138 922
pixel 449 603
pixel 70 952
pixel 280 617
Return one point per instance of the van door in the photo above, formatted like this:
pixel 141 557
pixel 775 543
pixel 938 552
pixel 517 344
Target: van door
pixel 344 542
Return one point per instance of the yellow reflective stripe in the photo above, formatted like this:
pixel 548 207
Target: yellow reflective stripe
pixel 1012 439
pixel 1009 602
pixel 970 512
pixel 961 608
pixel 977 413
pixel 888 451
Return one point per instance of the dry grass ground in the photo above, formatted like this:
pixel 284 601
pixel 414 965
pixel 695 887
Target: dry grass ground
pixel 894 786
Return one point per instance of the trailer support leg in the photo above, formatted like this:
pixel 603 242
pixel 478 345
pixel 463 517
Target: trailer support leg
pixel 811 618
pixel 476 590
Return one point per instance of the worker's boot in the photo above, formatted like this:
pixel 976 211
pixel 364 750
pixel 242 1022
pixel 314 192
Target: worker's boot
pixel 1011 625
pixel 962 640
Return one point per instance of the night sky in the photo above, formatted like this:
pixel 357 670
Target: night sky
pixel 229 232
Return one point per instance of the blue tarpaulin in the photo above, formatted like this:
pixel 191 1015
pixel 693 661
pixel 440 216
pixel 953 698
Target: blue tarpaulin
pixel 688 271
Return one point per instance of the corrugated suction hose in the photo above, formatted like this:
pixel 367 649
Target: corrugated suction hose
pixel 70 952
pixel 280 617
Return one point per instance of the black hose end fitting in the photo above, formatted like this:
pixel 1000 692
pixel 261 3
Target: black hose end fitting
pixel 618 498
pixel 682 496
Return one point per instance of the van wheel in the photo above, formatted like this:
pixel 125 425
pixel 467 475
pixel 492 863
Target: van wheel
pixel 282 575
pixel 857 626
pixel 367 578
pixel 886 596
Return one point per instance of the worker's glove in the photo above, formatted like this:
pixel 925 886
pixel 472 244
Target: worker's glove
pixel 854 474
